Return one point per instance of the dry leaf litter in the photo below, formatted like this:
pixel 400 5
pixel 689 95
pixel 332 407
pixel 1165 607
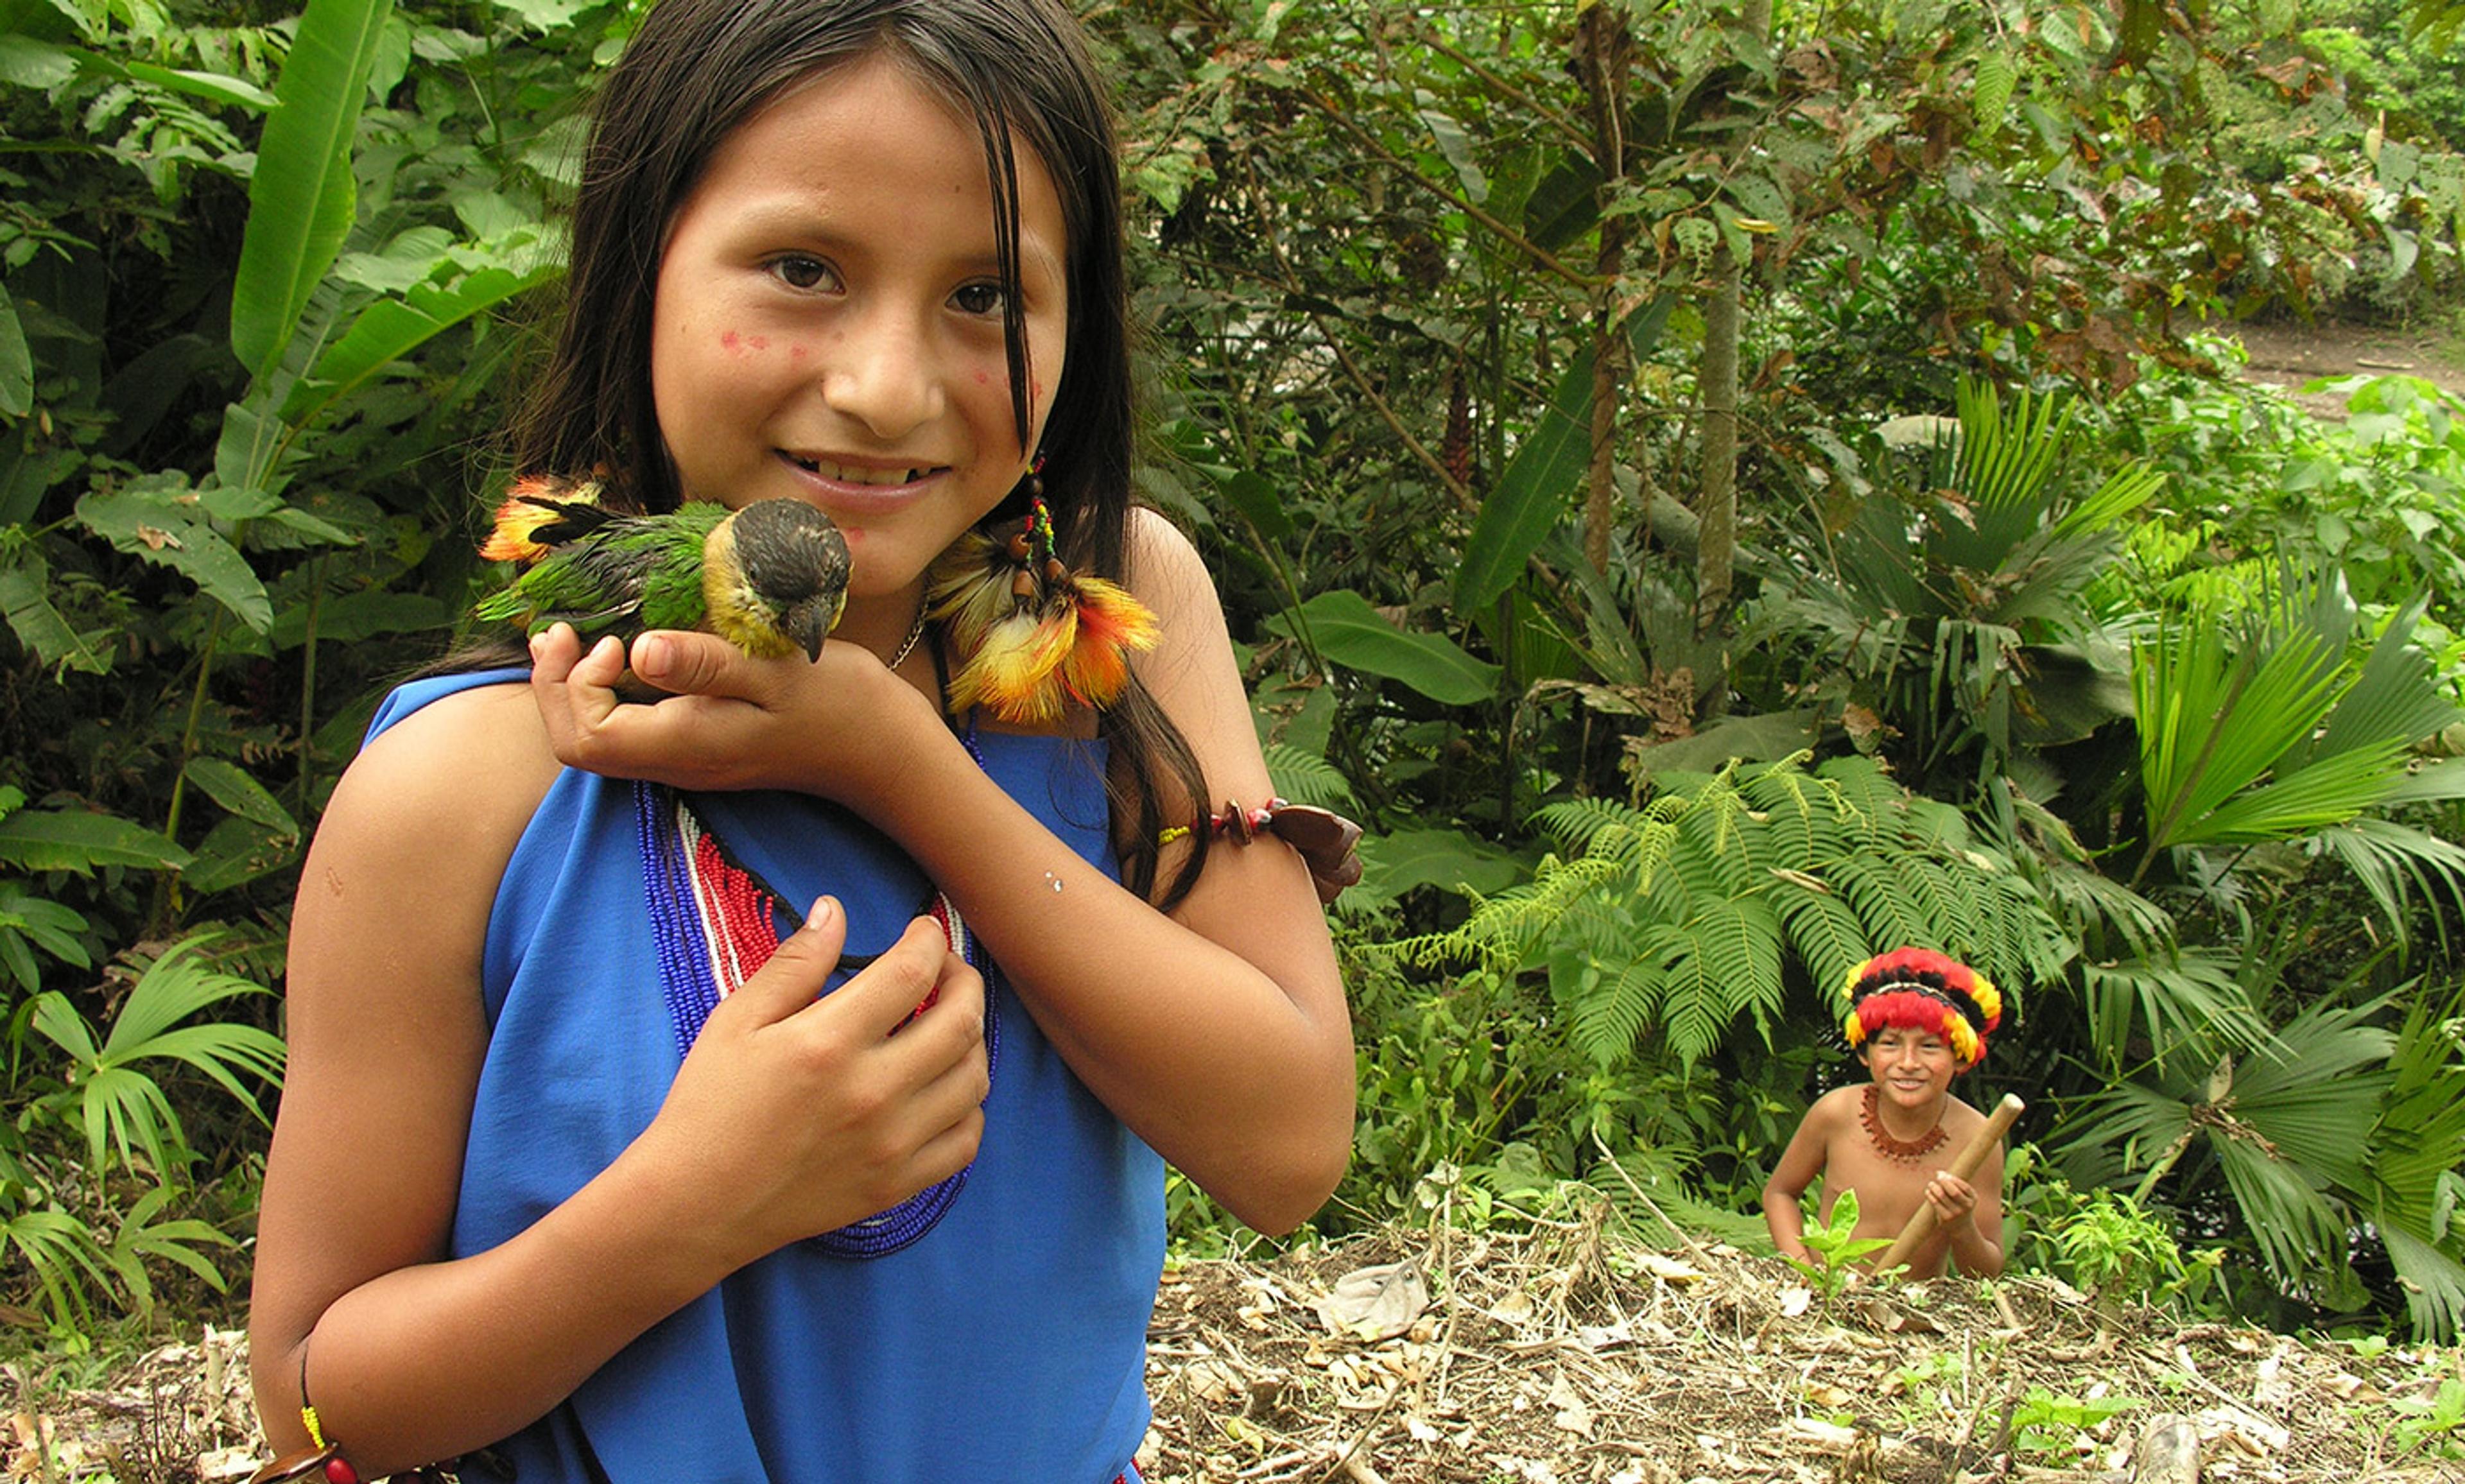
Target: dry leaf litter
pixel 1568 1352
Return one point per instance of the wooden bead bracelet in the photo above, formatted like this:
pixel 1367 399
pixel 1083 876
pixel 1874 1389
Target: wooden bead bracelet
pixel 1325 840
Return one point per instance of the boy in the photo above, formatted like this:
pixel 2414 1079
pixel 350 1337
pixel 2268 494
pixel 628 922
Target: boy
pixel 1917 1019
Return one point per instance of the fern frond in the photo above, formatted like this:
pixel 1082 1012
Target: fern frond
pixel 1306 779
pixel 1824 932
pixel 1572 824
pixel 1729 966
pixel 1613 1003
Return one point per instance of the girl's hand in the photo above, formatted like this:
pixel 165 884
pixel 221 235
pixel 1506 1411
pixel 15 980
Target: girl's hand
pixel 729 722
pixel 1954 1200
pixel 794 1115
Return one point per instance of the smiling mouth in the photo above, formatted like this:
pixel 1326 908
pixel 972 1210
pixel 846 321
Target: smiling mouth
pixel 848 474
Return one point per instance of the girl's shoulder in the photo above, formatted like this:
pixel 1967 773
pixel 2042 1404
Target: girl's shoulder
pixel 461 765
pixel 1166 570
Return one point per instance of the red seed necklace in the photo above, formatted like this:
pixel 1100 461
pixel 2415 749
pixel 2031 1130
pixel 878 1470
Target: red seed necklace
pixel 1900 1151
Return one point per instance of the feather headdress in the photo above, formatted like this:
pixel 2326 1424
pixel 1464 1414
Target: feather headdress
pixel 1923 991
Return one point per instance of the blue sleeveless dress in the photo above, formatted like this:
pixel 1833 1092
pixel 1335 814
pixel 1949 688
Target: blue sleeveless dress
pixel 1006 1343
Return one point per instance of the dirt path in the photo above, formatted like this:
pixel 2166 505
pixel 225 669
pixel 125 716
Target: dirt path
pixel 2290 354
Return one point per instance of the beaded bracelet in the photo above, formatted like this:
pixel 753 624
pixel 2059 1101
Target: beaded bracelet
pixel 1325 840
pixel 321 1459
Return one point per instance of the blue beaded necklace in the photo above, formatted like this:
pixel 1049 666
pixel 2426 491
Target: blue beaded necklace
pixel 715 922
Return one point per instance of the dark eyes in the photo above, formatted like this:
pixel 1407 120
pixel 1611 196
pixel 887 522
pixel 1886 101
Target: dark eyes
pixel 808 273
pixel 799 272
pixel 978 299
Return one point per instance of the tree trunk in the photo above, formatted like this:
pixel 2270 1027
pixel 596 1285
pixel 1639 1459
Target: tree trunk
pixel 1604 51
pixel 1716 500
pixel 1716 503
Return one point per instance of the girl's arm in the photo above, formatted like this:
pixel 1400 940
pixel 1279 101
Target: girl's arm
pixel 415 1357
pixel 1217 1032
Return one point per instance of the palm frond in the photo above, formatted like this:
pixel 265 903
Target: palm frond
pixel 2397 864
pixel 2192 1005
pixel 2434 1279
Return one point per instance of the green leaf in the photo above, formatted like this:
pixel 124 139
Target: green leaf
pixel 1565 204
pixel 1532 494
pixel 30 63
pixel 302 198
pixel 231 788
pixel 348 617
pixel 155 519
pixel 236 852
pixel 1254 496
pixel 1446 858
pixel 548 14
pixel 17 363
pixel 1341 626
pixel 390 329
pixel 1758 738
pixel 1456 145
pixel 213 86
pixel 45 925
pixel 1531 497
pixel 1996 77
pixel 26 599
pixel 36 840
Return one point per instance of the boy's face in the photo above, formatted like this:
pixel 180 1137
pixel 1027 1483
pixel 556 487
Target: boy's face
pixel 1913 1068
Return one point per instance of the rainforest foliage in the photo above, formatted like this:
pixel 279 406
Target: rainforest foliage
pixel 1718 489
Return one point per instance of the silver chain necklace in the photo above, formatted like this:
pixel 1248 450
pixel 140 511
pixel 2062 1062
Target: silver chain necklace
pixel 907 646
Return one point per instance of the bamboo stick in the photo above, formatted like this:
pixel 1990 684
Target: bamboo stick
pixel 1921 1223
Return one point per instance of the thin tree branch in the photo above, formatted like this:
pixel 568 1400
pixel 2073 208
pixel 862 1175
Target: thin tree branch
pixel 1516 239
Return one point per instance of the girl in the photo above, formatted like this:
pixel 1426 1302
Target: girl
pixel 535 1183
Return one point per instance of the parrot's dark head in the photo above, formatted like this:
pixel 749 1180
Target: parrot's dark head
pixel 774 578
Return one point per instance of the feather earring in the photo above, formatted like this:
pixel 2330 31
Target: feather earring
pixel 1031 636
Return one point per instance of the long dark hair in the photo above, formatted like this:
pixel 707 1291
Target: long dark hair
pixel 694 72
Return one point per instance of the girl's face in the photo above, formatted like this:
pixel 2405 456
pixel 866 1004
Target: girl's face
pixel 1912 1067
pixel 828 326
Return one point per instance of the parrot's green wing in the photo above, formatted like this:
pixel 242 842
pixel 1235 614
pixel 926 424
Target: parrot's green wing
pixel 629 573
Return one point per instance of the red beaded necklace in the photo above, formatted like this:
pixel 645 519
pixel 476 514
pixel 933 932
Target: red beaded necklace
pixel 1900 1151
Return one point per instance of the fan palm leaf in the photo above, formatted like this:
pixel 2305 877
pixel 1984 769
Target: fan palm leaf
pixel 2256 726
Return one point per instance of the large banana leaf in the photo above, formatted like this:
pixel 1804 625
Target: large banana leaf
pixel 302 198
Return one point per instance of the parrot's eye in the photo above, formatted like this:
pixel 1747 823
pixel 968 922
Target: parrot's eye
pixel 800 271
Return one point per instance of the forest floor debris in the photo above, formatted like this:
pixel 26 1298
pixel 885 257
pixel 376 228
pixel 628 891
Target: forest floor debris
pixel 1568 1352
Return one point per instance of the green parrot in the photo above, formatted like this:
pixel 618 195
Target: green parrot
pixel 770 578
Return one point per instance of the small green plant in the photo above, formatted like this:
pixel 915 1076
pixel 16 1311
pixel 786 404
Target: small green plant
pixel 96 1157
pixel 1836 1247
pixel 2435 1425
pixel 2050 1425
pixel 2115 1250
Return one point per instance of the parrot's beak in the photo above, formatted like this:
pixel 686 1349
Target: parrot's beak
pixel 809 622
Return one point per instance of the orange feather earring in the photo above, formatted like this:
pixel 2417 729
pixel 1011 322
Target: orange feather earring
pixel 1031 636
